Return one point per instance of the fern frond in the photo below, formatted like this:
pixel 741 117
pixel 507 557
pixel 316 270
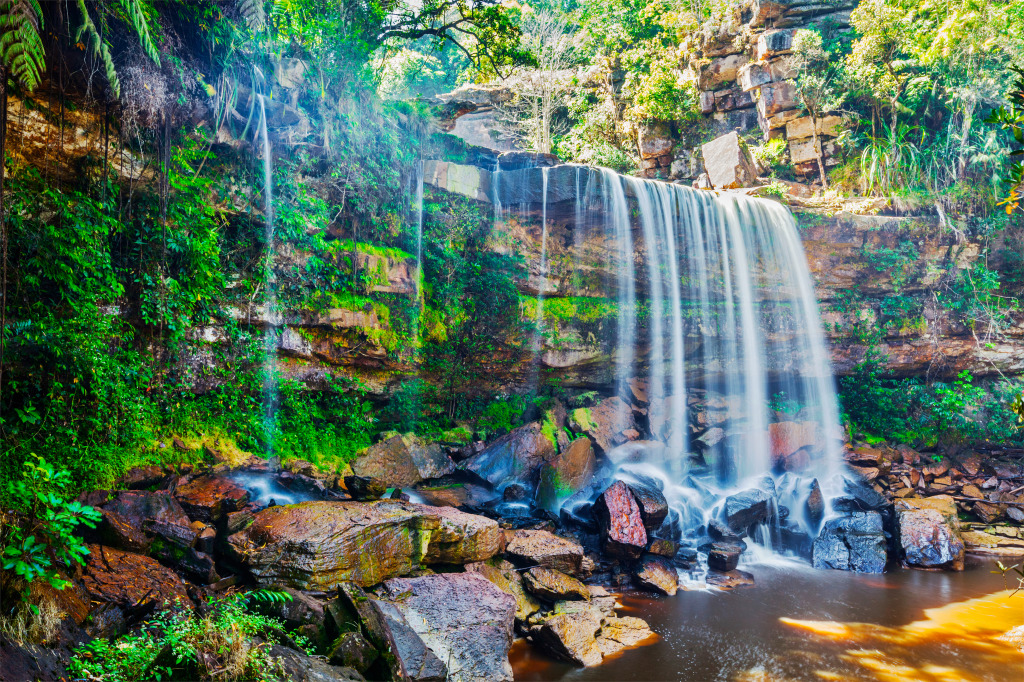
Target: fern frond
pixel 21 47
pixel 98 47
pixel 254 13
pixel 137 14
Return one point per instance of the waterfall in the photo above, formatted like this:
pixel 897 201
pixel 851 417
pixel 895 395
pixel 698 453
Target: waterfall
pixel 715 307
pixel 270 336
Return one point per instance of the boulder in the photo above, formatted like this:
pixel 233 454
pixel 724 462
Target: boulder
pixel 723 557
pixel 929 532
pixel 777 98
pixel 805 151
pixel 211 498
pixel 139 478
pixel 515 457
pixel 570 637
pixel 131 581
pixel 728 162
pixel 748 508
pixel 142 508
pixel 114 530
pixel 774 42
pixel 365 488
pixel 727 580
pixel 657 573
pixel 402 461
pixel 553 585
pixel 609 423
pixel 621 523
pixel 655 139
pixel 753 75
pixel 721 71
pixel 803 127
pixel 566 474
pixel 352 650
pixel 452 626
pixel 298 667
pixel 319 545
pixel 852 543
pixel 814 506
pixel 662 547
pixel 504 574
pixel 652 503
pixel 542 548
pixel 785 438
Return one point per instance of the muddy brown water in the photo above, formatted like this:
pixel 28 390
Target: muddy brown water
pixel 798 623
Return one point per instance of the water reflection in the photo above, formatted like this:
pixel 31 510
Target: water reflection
pixel 821 625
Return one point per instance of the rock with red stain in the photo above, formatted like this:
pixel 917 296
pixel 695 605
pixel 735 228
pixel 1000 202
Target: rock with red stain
pixel 929 532
pixel 785 438
pixel 621 522
pixel 130 581
pixel 210 498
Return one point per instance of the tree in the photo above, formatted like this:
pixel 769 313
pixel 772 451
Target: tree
pixel 1012 119
pixel 818 85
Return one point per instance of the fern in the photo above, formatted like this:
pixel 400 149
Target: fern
pixel 254 13
pixel 98 47
pixel 137 15
pixel 270 596
pixel 21 47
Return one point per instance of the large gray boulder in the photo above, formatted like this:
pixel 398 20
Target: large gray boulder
pixel 852 543
pixel 728 162
pixel 516 457
pixel 454 626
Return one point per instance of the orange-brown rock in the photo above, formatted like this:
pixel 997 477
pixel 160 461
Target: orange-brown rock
pixel 621 522
pixel 130 580
pixel 929 532
pixel 785 438
pixel 210 498
pixel 319 545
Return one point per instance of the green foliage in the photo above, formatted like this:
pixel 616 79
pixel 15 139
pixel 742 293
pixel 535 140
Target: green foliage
pixel 98 47
pixel 21 46
pixel 44 545
pixel 772 153
pixel 898 263
pixel 179 644
pixel 138 12
pixel 1012 119
pixel 908 411
pixel 503 415
pixel 254 13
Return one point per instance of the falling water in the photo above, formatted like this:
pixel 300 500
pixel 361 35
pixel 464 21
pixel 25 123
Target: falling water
pixel 270 389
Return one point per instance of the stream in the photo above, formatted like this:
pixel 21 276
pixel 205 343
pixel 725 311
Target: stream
pixel 798 623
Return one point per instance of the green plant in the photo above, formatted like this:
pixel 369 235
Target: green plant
pixel 43 544
pixel 21 47
pixel 178 644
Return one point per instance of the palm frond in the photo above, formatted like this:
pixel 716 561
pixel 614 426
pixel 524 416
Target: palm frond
pixel 21 47
pixel 137 14
pixel 98 47
pixel 254 13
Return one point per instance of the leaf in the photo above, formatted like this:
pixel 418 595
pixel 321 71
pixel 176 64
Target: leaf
pixel 21 46
pixel 98 47
pixel 134 9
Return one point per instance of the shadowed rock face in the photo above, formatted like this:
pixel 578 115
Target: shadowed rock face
pixel 852 543
pixel 455 627
pixel 516 457
pixel 319 545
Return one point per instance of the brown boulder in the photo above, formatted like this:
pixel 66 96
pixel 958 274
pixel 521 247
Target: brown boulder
pixel 785 438
pixel 130 581
pixel 621 522
pixel 210 498
pixel 507 578
pixel 609 423
pixel 402 461
pixel 516 457
pixel 542 548
pixel 553 585
pixel 657 573
pixel 319 545
pixel 728 162
pixel 571 637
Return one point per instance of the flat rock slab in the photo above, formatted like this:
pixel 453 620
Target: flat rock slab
pixel 319 545
pixel 451 626
pixel 504 574
pixel 128 580
pixel 542 548
pixel 553 585
pixel 658 574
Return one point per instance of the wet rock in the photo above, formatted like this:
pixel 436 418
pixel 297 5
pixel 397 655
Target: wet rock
pixel 723 557
pixel 988 513
pixel 815 504
pixel 301 609
pixel 319 545
pixel 721 531
pixel 402 461
pixel 786 438
pixel 566 474
pixel 852 543
pixel 114 530
pixel 728 162
pixel 999 541
pixel 142 508
pixel 553 585
pixel 210 498
pixel 449 627
pixel 621 523
pixel 658 574
pixel 727 580
pixel 748 508
pixel 456 495
pixel 515 457
pixel 352 650
pixel 860 497
pixel 618 633
pixel 570 637
pixel 365 488
pixel 139 478
pixel 298 667
pixel 652 503
pixel 608 424
pixel 515 492
pixel 131 581
pixel 662 547
pixel 504 574
pixel 542 548
pixel 929 532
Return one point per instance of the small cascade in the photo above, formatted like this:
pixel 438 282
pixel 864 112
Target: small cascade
pixel 270 334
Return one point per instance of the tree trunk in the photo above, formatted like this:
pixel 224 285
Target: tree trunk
pixel 3 226
pixel 819 152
